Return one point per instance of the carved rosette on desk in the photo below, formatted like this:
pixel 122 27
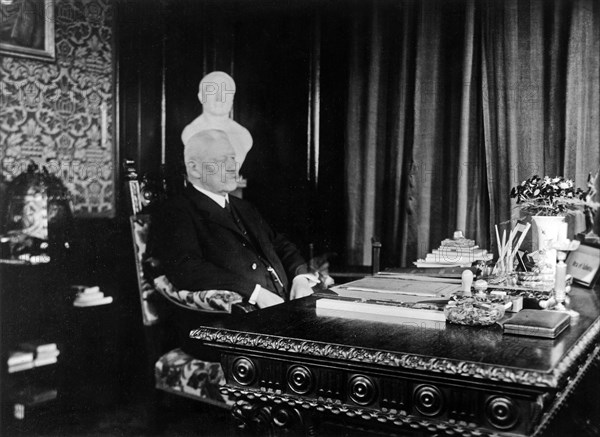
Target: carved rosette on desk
pixel 284 384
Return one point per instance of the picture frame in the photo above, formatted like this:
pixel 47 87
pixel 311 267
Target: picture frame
pixel 584 264
pixel 27 29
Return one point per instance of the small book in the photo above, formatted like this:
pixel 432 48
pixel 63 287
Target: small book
pixel 49 354
pixel 35 395
pixel 38 347
pixel 96 302
pixel 462 258
pixel 89 297
pixel 20 367
pixel 19 357
pixel 422 264
pixel 537 323
pixel 451 247
pixel 45 361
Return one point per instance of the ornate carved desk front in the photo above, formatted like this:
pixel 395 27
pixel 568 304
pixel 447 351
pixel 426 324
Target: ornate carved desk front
pixel 292 369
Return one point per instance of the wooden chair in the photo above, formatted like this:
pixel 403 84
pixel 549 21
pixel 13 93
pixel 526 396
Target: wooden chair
pixel 175 372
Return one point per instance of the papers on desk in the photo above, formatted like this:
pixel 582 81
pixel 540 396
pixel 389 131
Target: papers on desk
pixel 398 288
pixel 423 278
pixel 422 264
pixel 394 298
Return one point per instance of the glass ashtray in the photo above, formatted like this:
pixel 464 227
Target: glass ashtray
pixel 472 311
pixel 533 280
pixel 502 278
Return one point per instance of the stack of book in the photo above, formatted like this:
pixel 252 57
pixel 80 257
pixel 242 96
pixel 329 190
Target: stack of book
pixel 32 354
pixel 44 353
pixel 19 360
pixel 454 252
pixel 90 296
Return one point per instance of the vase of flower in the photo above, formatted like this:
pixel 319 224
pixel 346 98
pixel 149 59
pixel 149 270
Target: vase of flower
pixel 548 200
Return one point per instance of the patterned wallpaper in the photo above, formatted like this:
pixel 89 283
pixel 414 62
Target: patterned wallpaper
pixel 60 113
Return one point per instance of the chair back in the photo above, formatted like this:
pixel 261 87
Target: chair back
pixel 140 227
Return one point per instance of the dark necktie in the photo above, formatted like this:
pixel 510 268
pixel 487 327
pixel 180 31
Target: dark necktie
pixel 236 219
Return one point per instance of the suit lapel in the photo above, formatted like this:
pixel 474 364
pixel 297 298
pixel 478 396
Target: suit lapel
pixel 250 219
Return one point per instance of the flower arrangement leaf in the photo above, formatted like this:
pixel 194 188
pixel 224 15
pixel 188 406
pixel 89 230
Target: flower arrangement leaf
pixel 548 196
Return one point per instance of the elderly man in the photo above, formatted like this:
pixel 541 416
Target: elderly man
pixel 209 240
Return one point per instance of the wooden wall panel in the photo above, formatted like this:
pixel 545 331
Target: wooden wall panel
pixel 140 75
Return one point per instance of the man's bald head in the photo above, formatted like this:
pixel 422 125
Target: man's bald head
pixel 210 161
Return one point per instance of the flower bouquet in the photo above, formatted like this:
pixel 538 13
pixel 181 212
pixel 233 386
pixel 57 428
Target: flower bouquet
pixel 546 196
pixel 548 201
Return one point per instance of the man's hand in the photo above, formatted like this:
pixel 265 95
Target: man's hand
pixel 302 286
pixel 267 298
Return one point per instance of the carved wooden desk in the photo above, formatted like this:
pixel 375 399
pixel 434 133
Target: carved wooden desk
pixel 290 368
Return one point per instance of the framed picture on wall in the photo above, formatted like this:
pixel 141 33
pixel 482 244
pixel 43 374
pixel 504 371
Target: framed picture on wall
pixel 584 264
pixel 27 28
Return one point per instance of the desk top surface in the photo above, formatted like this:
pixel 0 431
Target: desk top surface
pixel 473 352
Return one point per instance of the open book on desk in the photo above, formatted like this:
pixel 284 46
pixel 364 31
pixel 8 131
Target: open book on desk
pixel 388 299
pixel 394 289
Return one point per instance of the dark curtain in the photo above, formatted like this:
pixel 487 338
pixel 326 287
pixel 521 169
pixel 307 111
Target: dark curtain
pixel 451 103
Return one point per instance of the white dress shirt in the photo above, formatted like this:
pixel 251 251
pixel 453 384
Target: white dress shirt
pixel 218 198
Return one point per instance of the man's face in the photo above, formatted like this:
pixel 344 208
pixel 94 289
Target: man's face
pixel 218 169
pixel 216 95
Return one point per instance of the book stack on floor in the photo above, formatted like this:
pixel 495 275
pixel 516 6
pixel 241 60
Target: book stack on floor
pixel 44 353
pixel 19 361
pixel 32 354
pixel 457 251
pixel 90 296
pixel 32 388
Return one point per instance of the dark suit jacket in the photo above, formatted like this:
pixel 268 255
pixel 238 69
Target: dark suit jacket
pixel 201 248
